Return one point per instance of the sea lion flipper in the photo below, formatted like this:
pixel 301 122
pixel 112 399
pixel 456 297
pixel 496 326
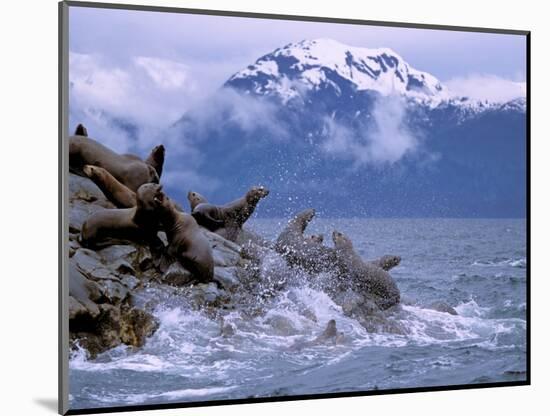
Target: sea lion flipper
pixel 204 219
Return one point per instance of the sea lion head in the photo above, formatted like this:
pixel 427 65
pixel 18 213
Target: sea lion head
pixel 388 261
pixel 149 196
pixel 341 241
pixel 195 199
pixel 256 193
pixel 81 130
pixel 330 330
pixel 317 238
pixel 91 171
pixel 158 153
pixel 303 218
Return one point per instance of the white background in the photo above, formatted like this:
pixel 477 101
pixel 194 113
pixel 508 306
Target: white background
pixel 28 205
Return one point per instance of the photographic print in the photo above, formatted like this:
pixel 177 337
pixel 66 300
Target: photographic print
pixel 268 207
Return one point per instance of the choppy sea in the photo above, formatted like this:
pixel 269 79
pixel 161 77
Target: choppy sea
pixel 477 266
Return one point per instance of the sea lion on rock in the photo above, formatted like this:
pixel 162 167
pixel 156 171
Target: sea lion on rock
pixel 387 262
pixel 156 158
pixel 81 131
pixel 371 279
pixel 117 193
pixel 138 224
pixel 128 169
pixel 186 241
pixel 195 199
pixel 302 251
pixel 227 220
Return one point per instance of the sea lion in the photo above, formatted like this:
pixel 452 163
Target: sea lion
pixel 441 306
pixel 329 335
pixel 302 251
pixel 387 262
pixel 317 238
pixel 117 193
pixel 127 169
pixel 227 220
pixel 81 131
pixel 195 199
pixel 139 223
pixel 186 241
pixel 156 158
pixel 369 278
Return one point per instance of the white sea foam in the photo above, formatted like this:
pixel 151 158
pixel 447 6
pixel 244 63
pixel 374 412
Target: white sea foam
pixel 518 263
pixel 168 395
pixel 471 309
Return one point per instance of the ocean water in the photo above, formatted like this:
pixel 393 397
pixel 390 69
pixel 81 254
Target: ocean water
pixel 478 266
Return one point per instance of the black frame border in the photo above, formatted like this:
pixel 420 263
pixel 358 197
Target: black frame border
pixel 63 381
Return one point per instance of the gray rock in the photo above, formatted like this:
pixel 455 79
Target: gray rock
pixel 76 309
pixel 226 276
pixel 73 246
pixel 79 213
pixel 443 307
pixel 82 188
pixel 85 291
pixel 218 241
pixel 114 291
pixel 130 281
pixel 144 258
pixel 176 275
pixel 206 294
pixel 113 253
pixel 122 266
pixel 224 257
pixel 87 260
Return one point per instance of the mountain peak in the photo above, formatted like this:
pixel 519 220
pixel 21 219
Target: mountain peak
pixel 326 63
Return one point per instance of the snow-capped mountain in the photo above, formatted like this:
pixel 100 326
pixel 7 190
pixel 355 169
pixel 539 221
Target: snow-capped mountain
pixel 298 69
pixel 322 63
pixel 320 122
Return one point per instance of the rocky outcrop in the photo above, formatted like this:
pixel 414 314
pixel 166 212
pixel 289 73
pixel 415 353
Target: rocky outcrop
pixel 102 283
pixel 106 309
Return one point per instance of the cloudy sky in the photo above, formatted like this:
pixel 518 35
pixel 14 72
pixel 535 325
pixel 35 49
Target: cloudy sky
pixel 149 68
pixel 172 59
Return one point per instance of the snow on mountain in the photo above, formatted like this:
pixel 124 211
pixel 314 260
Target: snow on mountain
pixel 312 64
pixel 294 70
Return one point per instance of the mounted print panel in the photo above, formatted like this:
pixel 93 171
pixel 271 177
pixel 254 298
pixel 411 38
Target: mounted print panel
pixel 263 208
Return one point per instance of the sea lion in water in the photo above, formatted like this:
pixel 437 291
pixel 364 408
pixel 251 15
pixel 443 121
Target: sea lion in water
pixel 227 220
pixel 127 169
pixel 372 279
pixel 317 238
pixel 302 251
pixel 387 262
pixel 117 193
pixel 441 306
pixel 139 223
pixel 329 335
pixel 186 241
